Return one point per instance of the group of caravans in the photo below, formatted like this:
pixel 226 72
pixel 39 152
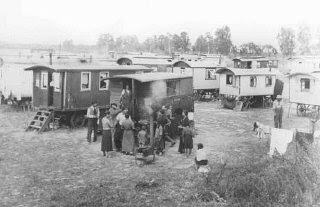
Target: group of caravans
pixel 210 76
pixel 70 87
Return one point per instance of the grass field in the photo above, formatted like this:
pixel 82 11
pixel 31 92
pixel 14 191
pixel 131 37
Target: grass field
pixel 59 168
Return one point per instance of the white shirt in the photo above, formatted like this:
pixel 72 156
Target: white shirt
pixel 124 91
pixel 201 155
pixel 121 117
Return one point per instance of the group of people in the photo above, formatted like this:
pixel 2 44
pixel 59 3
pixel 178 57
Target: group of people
pixel 118 130
pixel 171 126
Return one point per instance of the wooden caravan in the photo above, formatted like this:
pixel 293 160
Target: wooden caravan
pixel 254 62
pixel 69 90
pixel 254 87
pixel 205 79
pixel 150 91
pixel 304 90
pixel 157 63
pixel 302 64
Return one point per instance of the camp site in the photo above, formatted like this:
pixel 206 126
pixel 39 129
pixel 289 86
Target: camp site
pixel 159 103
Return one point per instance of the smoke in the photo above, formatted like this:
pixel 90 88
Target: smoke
pixel 157 93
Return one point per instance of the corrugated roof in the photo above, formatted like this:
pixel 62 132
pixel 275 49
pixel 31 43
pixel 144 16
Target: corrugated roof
pixel 245 72
pixel 315 74
pixel 147 60
pixel 315 59
pixel 199 63
pixel 258 58
pixel 148 77
pixel 151 61
pixel 84 66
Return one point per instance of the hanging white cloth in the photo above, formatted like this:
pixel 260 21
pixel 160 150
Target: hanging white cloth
pixel 280 138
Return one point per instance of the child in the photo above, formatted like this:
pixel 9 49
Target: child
pixel 159 141
pixel 142 136
pixel 201 157
pixel 187 135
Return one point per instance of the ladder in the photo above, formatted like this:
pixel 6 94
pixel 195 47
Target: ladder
pixel 40 121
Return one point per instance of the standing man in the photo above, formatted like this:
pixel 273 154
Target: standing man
pixel 93 114
pixel 278 111
pixel 114 111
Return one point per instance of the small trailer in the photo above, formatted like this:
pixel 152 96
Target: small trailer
pixel 205 78
pixel 255 62
pixel 15 83
pixel 253 87
pixel 65 91
pixel 304 90
pixel 151 91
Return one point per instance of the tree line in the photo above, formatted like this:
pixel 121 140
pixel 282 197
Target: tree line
pixel 220 42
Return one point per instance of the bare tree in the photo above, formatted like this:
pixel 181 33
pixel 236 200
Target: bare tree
pixel 304 37
pixel 286 39
pixel 222 40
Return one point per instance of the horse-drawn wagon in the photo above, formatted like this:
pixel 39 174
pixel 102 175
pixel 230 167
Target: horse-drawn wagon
pixel 304 91
pixel 250 87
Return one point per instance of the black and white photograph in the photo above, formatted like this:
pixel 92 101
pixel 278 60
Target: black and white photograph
pixel 159 103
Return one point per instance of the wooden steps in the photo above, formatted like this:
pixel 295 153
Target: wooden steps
pixel 40 121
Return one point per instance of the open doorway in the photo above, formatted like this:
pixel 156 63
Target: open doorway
pixel 50 90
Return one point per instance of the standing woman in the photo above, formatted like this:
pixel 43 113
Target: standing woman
pixel 187 135
pixel 106 142
pixel 128 137
pixel 183 123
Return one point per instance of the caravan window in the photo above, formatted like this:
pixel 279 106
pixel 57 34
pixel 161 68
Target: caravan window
pixel 268 81
pixel 44 80
pixel 229 79
pixel 305 84
pixel 253 81
pixel 210 74
pixel 262 64
pixel 56 81
pixel 103 82
pixel 85 81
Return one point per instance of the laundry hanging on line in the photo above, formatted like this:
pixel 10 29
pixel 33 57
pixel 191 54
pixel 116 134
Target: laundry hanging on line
pixel 280 138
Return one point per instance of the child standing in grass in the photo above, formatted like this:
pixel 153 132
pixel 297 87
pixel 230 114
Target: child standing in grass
pixel 142 136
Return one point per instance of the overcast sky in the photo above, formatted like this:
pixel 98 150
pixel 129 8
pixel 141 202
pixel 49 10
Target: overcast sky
pixel 51 22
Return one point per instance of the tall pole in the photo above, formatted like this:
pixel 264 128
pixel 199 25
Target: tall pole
pixel 50 57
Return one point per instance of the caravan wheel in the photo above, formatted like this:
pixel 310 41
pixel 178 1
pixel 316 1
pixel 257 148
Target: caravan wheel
pixel 301 109
pixel 77 120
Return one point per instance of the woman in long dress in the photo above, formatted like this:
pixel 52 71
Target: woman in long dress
pixel 128 137
pixel 187 135
pixel 183 123
pixel 106 142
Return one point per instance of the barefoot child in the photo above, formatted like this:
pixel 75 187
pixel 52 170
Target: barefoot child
pixel 142 136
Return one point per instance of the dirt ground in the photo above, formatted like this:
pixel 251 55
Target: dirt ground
pixel 59 168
